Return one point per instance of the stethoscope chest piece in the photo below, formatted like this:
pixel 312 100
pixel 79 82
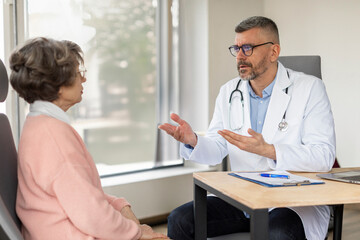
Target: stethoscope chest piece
pixel 283 126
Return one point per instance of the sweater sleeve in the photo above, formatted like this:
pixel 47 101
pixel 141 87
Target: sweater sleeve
pixel 117 203
pixel 88 208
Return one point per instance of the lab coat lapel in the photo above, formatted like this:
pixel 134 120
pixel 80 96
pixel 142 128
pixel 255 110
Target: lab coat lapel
pixel 278 104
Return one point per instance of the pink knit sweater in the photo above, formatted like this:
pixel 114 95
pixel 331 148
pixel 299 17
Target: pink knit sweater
pixel 59 193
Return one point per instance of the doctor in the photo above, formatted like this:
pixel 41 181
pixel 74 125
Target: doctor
pixel 271 118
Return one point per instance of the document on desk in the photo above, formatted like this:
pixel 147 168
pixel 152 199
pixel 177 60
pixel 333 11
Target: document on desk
pixel 276 178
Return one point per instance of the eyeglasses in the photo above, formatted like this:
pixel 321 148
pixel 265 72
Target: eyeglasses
pixel 247 49
pixel 82 71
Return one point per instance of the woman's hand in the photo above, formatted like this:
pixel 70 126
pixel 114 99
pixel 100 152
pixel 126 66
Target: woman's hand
pixel 148 233
pixel 128 213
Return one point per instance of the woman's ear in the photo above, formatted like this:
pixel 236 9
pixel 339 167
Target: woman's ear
pixel 60 90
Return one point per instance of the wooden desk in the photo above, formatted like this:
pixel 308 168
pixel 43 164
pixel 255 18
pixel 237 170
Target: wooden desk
pixel 256 199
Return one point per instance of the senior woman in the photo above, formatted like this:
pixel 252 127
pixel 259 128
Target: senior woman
pixel 59 192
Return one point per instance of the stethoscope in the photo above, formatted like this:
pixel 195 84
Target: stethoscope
pixel 282 126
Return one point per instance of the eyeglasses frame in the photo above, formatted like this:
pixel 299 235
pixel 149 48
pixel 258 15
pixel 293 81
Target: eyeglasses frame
pixel 82 72
pixel 242 48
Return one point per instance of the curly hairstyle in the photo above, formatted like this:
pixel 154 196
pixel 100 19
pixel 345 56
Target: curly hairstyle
pixel 42 65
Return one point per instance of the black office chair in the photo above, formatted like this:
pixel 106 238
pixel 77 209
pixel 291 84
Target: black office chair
pixel 10 224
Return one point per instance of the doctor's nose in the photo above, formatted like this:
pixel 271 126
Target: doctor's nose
pixel 240 55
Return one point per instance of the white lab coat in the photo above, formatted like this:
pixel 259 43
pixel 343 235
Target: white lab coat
pixel 307 145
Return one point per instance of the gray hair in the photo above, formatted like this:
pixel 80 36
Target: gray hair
pixel 259 22
pixel 42 65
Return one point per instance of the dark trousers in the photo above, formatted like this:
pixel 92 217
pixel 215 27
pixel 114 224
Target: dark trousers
pixel 222 219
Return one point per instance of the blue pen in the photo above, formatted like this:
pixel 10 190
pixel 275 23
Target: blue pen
pixel 274 175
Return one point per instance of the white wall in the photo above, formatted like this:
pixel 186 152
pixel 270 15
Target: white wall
pixel 329 29
pixel 194 73
pixel 223 17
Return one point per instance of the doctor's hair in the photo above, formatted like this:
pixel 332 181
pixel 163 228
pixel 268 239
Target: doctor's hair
pixel 42 65
pixel 259 22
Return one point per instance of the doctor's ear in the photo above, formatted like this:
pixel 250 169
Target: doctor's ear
pixel 275 52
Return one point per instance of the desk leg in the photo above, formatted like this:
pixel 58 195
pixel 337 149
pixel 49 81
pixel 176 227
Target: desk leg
pixel 259 225
pixel 338 221
pixel 200 213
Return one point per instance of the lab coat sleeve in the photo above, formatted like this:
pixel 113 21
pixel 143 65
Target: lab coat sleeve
pixel 317 136
pixel 210 149
pixel 185 152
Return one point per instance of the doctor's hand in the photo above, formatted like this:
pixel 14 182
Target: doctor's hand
pixel 182 133
pixel 254 144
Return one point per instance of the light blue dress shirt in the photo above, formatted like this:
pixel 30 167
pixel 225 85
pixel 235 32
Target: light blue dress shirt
pixel 259 106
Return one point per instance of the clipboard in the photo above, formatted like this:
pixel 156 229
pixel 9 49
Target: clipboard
pixel 293 180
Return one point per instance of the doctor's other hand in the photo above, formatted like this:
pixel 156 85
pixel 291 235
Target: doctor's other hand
pixel 254 143
pixel 148 233
pixel 182 133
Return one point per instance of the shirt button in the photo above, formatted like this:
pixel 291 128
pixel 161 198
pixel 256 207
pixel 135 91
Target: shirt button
pixel 259 122
pixel 261 101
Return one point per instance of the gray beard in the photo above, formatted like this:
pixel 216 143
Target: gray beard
pixel 254 74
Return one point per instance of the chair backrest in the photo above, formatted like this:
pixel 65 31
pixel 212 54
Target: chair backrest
pixel 307 64
pixel 9 222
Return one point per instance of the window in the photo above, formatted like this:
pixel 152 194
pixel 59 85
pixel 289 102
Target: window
pixel 130 49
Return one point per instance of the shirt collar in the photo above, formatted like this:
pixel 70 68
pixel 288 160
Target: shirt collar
pixel 266 92
pixel 47 108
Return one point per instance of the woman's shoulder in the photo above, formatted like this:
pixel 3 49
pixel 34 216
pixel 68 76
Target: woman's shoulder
pixel 45 119
pixel 49 143
pixel 44 123
pixel 48 130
